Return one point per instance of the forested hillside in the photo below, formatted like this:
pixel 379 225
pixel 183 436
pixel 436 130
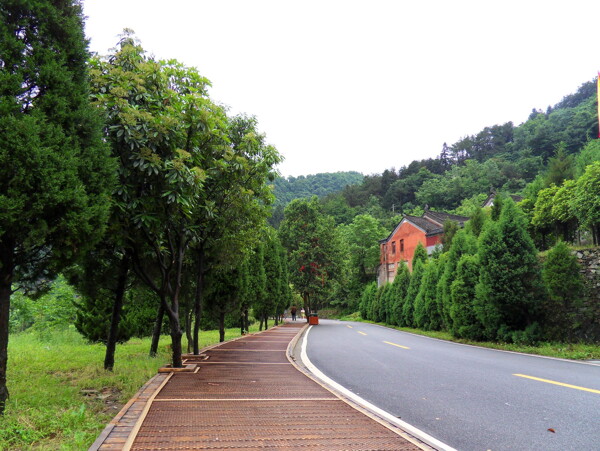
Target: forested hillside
pixel 304 186
pixel 504 158
pixel 289 188
pixel 552 161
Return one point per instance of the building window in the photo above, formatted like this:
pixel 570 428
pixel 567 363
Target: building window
pixel 401 245
pixel 393 247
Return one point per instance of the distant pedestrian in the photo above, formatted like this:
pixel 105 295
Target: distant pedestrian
pixel 293 312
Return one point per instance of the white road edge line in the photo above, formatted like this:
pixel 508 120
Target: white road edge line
pixel 367 405
pixel 580 362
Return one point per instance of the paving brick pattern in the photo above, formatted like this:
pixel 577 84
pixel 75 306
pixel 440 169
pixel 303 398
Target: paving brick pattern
pixel 246 395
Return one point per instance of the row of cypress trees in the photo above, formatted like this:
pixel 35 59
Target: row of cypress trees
pixel 488 285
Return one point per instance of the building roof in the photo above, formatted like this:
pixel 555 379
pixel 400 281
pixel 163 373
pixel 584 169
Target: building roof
pixel 431 222
pixel 439 217
pixel 490 199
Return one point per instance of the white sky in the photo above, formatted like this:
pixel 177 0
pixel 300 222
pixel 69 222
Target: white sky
pixel 357 85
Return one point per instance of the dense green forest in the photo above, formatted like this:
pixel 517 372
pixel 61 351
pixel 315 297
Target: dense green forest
pixel 503 158
pixel 289 188
pixel 551 161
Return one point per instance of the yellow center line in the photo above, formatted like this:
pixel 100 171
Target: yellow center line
pixel 350 327
pixel 394 344
pixel 576 387
pixel 362 333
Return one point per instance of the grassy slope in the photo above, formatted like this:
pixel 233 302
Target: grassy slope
pixel 60 396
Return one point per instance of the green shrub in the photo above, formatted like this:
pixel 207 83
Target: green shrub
pixel 398 294
pixel 564 285
pixel 367 299
pixel 509 291
pixel 464 322
pixel 407 319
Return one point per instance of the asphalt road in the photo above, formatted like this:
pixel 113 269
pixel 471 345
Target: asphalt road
pixel 467 397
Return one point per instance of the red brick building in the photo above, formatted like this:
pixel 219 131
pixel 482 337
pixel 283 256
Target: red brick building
pixel 400 245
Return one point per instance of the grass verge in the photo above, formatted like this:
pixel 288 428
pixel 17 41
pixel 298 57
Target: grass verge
pixel 61 397
pixel 573 351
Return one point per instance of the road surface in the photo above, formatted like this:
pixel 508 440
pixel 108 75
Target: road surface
pixel 467 397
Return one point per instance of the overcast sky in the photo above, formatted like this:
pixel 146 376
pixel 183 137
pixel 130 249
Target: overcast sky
pixel 367 85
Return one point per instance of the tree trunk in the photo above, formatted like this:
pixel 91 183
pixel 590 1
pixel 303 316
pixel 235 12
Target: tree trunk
pixel 157 329
pixel 188 329
pixel 260 324
pixel 306 298
pixel 113 334
pixel 198 300
pixel 266 321
pixel 6 277
pixel 176 335
pixel 247 319
pixel 221 327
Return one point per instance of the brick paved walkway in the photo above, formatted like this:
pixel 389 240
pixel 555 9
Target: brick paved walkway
pixel 246 395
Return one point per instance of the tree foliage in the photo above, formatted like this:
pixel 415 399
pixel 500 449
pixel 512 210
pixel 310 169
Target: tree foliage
pixel 508 294
pixel 313 248
pixel 55 172
pixel 464 322
pixel 563 280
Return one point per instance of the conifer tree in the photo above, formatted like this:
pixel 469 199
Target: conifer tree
pixel 419 255
pixel 257 283
pixel 463 243
pixel 398 292
pixel 55 172
pixel 367 300
pixel 377 307
pixel 509 290
pixel 223 293
pixel 564 283
pixel 273 276
pixel 407 318
pixel 464 322
pixel 426 312
pixel 476 222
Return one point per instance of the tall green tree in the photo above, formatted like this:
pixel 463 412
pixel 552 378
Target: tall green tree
pixel 55 172
pixel 508 294
pixel 399 289
pixel 587 199
pixel 273 274
pixel 257 283
pixel 367 299
pixel 408 307
pixel 237 196
pixel 589 154
pixel 313 247
pixel 560 166
pixel 563 280
pixel 158 116
pixel 224 289
pixel 543 220
pixel 563 211
pixel 464 322
pixel 463 243
pixel 361 244
pixel 427 310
